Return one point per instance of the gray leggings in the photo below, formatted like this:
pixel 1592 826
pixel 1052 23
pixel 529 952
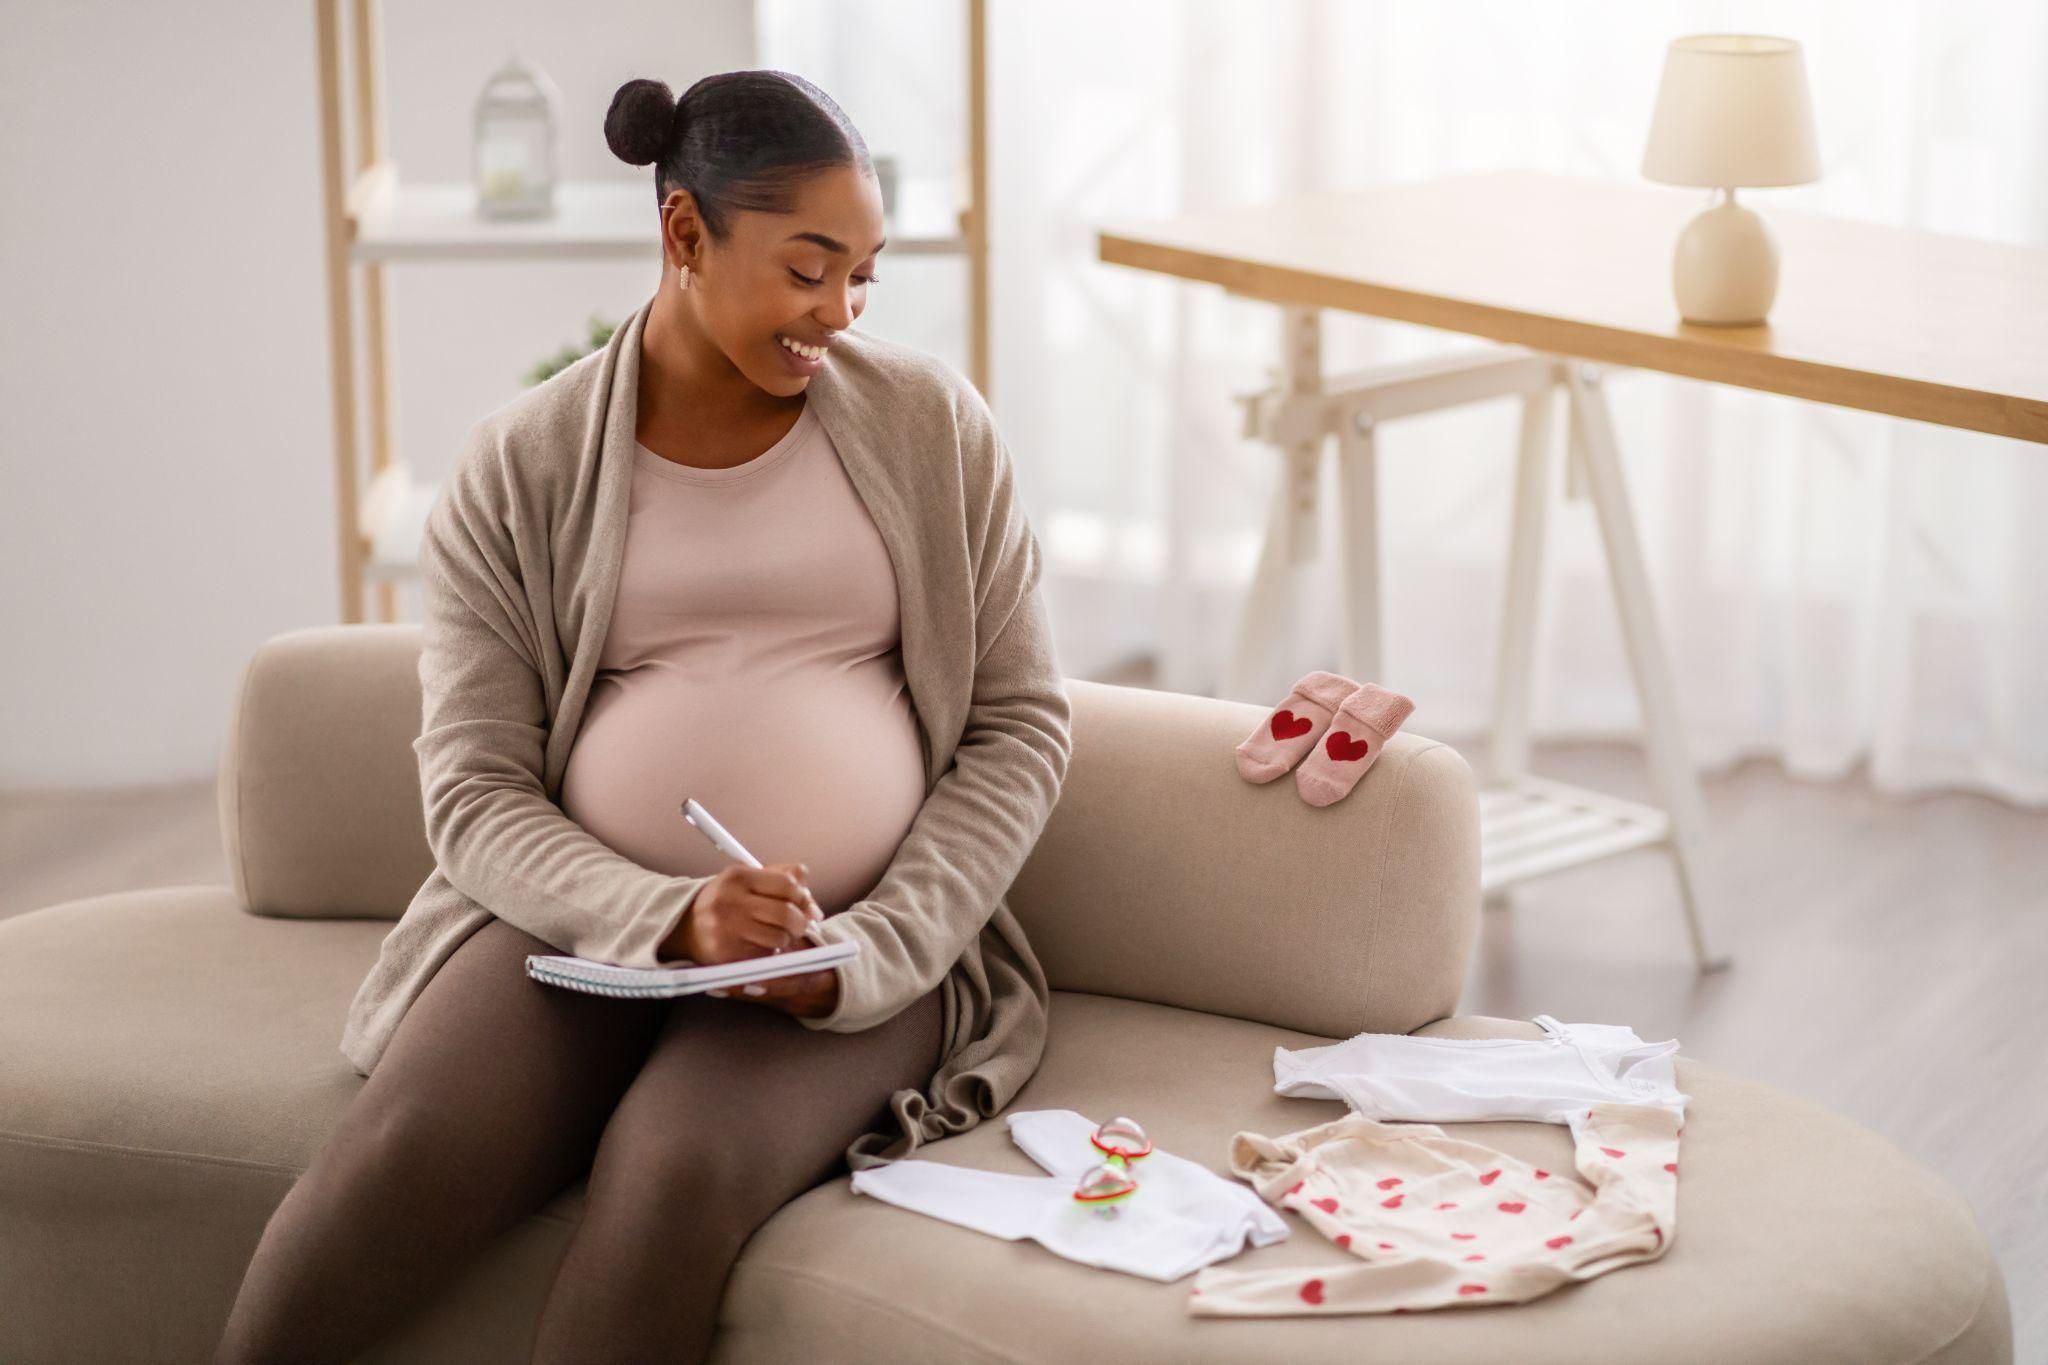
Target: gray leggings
pixel 695 1118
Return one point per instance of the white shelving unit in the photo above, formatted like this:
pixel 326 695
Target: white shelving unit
pixel 375 219
pixel 594 221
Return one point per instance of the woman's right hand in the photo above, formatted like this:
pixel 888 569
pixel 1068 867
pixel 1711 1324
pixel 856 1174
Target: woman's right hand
pixel 745 912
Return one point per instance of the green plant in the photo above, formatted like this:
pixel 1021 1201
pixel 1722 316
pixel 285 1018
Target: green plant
pixel 600 333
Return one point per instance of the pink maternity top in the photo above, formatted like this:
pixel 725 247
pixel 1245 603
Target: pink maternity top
pixel 754 662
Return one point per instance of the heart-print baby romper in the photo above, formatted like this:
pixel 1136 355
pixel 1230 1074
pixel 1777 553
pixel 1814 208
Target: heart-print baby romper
pixel 1434 1221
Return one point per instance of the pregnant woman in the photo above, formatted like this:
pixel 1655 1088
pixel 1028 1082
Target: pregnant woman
pixel 746 554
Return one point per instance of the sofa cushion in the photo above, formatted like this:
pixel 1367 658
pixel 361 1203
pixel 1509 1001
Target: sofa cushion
pixel 168 1067
pixel 1801 1237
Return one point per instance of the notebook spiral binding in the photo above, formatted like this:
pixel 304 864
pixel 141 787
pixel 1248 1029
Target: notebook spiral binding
pixel 590 977
pixel 597 988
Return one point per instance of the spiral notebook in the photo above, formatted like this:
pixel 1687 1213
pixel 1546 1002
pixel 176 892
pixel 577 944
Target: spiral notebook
pixel 607 978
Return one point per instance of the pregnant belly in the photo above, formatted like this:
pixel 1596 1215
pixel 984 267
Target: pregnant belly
pixel 824 769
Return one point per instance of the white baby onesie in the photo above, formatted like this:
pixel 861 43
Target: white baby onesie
pixel 1183 1217
pixel 1435 1220
pixel 1469 1080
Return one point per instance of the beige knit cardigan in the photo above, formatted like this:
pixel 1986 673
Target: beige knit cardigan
pixel 520 563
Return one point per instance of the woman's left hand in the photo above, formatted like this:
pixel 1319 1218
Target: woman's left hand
pixel 808 995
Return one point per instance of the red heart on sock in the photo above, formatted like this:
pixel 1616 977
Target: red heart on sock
pixel 1286 725
pixel 1614 1151
pixel 1344 748
pixel 1490 1176
pixel 1313 1291
pixel 1344 1240
pixel 1292 1188
pixel 1464 1236
pixel 1386 1246
pixel 1671 1166
pixel 1326 1205
pixel 1390 1182
pixel 1471 1289
pixel 1556 1242
pixel 1476 1256
pixel 1512 1207
pixel 1450 1205
pixel 1393 1203
pixel 1543 1175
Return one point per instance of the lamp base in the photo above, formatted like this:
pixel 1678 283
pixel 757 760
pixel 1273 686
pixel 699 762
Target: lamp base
pixel 1725 271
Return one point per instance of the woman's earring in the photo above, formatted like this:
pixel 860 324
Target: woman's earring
pixel 683 276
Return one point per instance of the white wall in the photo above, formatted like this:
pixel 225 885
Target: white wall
pixel 166 467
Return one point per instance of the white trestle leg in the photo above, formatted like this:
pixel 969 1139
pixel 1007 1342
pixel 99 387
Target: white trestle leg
pixel 1529 826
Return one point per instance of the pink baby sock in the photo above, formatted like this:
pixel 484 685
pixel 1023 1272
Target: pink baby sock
pixel 1291 730
pixel 1364 722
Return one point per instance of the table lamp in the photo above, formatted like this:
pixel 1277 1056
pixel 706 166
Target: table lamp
pixel 1733 110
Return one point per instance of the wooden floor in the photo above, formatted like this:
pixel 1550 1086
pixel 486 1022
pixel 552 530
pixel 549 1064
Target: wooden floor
pixel 1890 955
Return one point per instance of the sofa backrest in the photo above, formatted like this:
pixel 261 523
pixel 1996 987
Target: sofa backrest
pixel 319 789
pixel 1161 875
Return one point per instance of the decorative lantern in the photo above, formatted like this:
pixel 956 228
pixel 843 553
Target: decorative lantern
pixel 516 118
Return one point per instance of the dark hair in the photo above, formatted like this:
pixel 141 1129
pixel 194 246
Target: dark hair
pixel 736 141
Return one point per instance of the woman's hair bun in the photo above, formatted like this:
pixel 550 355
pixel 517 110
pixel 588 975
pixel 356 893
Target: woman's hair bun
pixel 638 124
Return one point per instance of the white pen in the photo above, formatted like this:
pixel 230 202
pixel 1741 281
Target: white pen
pixel 695 813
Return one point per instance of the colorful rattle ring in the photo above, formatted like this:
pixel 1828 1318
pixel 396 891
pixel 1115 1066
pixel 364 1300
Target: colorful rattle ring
pixel 1109 1183
pixel 1122 1139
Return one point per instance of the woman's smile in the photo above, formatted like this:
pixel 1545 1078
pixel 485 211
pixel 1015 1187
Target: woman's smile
pixel 810 361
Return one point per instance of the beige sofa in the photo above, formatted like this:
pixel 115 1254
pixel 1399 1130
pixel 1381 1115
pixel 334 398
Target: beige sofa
pixel 168 1067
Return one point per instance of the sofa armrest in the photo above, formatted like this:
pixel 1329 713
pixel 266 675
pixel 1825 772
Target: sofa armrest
pixel 1163 875
pixel 319 789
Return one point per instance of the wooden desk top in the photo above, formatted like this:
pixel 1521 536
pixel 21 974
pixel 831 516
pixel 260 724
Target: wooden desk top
pixel 1944 329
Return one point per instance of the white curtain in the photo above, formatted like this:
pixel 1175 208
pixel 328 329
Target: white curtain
pixel 1835 588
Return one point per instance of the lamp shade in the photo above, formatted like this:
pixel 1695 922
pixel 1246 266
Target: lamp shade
pixel 1733 109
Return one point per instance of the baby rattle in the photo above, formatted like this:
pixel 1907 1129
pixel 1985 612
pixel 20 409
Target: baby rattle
pixel 1109 1182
